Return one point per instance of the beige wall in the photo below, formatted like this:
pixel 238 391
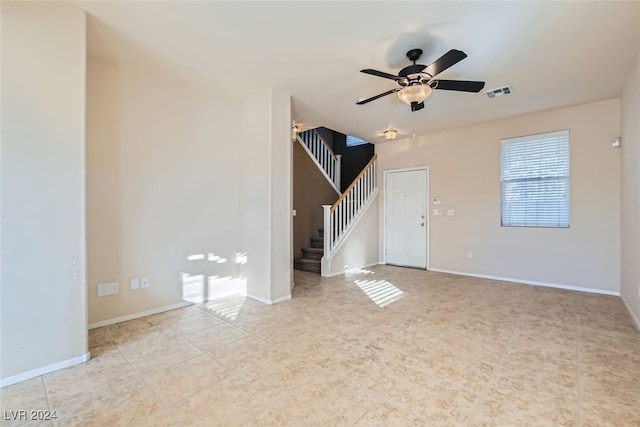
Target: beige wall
pixel 311 190
pixel 176 170
pixel 163 168
pixel 43 304
pixel 464 167
pixel 630 212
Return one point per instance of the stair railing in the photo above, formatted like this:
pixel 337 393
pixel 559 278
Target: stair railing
pixel 341 215
pixel 323 155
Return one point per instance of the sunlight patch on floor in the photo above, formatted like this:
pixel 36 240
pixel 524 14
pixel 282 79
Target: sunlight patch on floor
pixel 381 292
pixel 229 309
pixel 356 271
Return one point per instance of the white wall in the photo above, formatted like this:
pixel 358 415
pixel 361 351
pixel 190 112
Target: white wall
pixel 266 196
pixel 43 304
pixel 630 212
pixel 164 160
pixel 361 247
pixel 464 167
pixel 281 203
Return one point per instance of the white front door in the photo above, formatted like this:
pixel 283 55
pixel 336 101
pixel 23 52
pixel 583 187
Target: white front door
pixel 406 218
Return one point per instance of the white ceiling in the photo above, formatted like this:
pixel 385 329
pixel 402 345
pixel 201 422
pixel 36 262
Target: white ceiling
pixel 553 54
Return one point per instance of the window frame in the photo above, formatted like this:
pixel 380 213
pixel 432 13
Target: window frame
pixel 563 180
pixel 362 141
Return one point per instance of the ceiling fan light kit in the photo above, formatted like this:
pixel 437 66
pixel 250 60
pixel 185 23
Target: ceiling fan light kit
pixel 416 93
pixel 416 80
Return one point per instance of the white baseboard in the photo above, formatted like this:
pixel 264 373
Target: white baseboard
pixel 281 299
pixel 261 299
pixel 138 315
pixel 530 282
pixel 44 370
pixel 633 316
pixel 270 301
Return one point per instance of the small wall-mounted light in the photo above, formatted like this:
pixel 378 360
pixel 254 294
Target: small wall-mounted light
pixel 616 142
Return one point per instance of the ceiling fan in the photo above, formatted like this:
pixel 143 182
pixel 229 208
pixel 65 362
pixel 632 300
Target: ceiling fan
pixel 417 81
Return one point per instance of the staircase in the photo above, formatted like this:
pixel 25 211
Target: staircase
pixel 327 161
pixel 311 259
pixel 341 217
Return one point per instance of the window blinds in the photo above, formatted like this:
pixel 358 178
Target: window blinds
pixel 535 180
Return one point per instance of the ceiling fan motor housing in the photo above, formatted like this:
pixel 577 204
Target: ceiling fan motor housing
pixel 413 73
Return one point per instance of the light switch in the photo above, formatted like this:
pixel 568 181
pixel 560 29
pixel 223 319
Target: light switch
pixel 437 201
pixel 135 283
pixel 144 282
pixel 437 212
pixel 451 212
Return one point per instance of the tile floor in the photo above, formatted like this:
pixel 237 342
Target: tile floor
pixel 385 347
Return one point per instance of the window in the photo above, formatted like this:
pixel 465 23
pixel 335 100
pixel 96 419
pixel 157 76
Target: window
pixel 353 141
pixel 535 180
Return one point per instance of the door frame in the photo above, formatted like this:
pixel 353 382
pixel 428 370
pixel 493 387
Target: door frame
pixel 427 212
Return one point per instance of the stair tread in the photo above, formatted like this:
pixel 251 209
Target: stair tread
pixel 316 250
pixel 307 261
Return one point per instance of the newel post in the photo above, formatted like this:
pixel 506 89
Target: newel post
pixel 328 232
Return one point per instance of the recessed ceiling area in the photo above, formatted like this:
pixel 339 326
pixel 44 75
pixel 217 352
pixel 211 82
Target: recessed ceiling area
pixel 552 54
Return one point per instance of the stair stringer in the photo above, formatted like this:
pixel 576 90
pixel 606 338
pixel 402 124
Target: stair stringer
pixel 325 263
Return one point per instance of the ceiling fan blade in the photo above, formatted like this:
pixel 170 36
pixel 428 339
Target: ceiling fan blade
pixel 461 85
pixel 373 98
pixel 379 74
pixel 411 69
pixel 415 106
pixel 445 61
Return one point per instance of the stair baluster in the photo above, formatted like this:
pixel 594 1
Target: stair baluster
pixel 340 217
pixel 327 161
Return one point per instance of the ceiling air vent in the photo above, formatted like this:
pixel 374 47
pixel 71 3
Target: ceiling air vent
pixel 506 90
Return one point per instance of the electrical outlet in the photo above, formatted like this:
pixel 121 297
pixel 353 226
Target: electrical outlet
pixel 107 289
pixel 144 282
pixel 469 255
pixel 135 283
